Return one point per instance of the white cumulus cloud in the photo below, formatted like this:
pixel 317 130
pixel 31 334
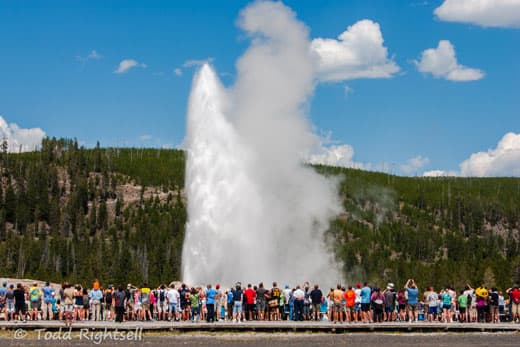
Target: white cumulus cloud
pixel 504 160
pixel 357 53
pixel 127 64
pixel 486 13
pixel 335 155
pixel 20 139
pixel 441 62
pixel 414 164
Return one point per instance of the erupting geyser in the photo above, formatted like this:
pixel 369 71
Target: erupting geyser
pixel 255 211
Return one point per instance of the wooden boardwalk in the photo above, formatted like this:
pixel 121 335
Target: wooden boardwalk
pixel 254 326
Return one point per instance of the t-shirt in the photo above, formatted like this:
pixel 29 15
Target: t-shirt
pixel 119 298
pixel 34 294
pixel 446 299
pixel 390 299
pixel 463 301
pixel 47 294
pixel 316 296
pixel 515 296
pixel 493 299
pixel 337 295
pixel 250 296
pixel 194 300
pixel 413 293
pixel 96 294
pixel 260 294
pixel 350 298
pixel 173 296
pixel 365 295
pixel 432 298
pixel 358 296
pixel 211 294
pixel 19 296
pixel 3 290
pixel 145 295
pixel 68 295
pixel 237 294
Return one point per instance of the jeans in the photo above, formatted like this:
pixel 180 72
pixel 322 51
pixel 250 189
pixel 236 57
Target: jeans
pixel 210 317
pixel 298 309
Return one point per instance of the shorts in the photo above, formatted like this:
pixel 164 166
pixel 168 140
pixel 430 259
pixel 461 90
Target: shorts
pixel 411 307
pixel 446 307
pixel 316 307
pixel 260 305
pixel 172 307
pixel 365 307
pixel 432 309
pixel 20 307
pixel 338 307
pixel 250 307
pixel 306 309
pixel 78 306
pixel 237 307
pixel 515 309
pixel 69 307
pixel 162 306
pixel 402 307
pixel 462 310
pixel 389 309
pixel 9 305
pixel 350 309
pixel 35 305
pixel 357 307
pixel 146 306
pixel 494 309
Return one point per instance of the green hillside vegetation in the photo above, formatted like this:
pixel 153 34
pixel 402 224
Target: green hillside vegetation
pixel 118 214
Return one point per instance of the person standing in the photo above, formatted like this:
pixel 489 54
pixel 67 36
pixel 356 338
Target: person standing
pixel 119 303
pixel 68 295
pixel 35 296
pixel 366 293
pixel 48 294
pixel 413 302
pixel 261 301
pixel 316 295
pixel 299 297
pixel 337 297
pixel 390 297
pixel 19 302
pixel 514 297
pixel 96 295
pixel 211 295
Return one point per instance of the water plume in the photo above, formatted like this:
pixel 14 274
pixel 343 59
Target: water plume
pixel 255 211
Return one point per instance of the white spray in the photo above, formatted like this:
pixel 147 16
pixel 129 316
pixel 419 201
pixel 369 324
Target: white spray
pixel 256 213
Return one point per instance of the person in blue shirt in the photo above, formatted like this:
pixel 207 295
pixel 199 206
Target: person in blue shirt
pixel 230 304
pixel 413 294
pixel 366 292
pixel 48 295
pixel 211 294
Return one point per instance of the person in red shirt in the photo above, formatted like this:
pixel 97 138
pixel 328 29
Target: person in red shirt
pixel 250 301
pixel 514 295
pixel 350 303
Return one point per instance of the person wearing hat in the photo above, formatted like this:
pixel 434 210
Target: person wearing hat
pixel 390 297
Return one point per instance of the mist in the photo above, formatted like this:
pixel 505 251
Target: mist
pixel 256 212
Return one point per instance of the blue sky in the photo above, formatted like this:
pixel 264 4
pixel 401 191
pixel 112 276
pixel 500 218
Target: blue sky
pixel 47 81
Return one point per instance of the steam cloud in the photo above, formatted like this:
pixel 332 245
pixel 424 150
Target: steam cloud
pixel 256 213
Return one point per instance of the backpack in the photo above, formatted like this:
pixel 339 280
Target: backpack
pixel 469 299
pixel 161 295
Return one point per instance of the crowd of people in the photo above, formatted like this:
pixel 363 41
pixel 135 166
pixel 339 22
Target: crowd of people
pixel 350 304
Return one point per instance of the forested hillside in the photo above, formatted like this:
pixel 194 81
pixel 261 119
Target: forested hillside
pixel 117 214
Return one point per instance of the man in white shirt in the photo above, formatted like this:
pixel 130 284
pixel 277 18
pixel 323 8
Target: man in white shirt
pixel 173 296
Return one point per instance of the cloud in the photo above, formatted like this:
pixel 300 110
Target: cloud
pixel 440 173
pixel 504 160
pixel 177 72
pixel 358 53
pixel 20 139
pixel 441 62
pixel 127 64
pixel 486 13
pixel 198 62
pixel 335 155
pixel 414 164
pixel 92 55
pixel 145 137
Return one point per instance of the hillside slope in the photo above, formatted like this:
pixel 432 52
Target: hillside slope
pixel 119 215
